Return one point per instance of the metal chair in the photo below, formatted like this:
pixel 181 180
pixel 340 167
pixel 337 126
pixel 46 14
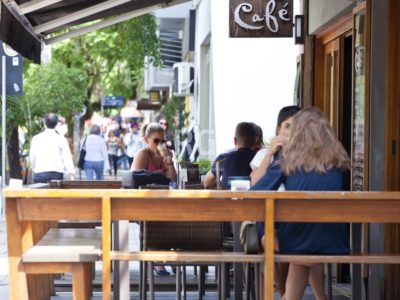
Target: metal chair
pixel 196 236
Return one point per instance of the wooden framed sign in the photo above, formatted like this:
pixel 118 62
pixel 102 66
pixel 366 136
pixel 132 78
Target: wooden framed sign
pixel 261 18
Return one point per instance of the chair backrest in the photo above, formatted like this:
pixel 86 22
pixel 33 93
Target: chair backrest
pixel 199 236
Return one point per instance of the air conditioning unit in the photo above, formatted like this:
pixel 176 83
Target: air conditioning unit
pixel 183 79
pixel 156 78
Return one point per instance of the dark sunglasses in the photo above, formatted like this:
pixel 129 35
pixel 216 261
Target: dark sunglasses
pixel 163 123
pixel 157 141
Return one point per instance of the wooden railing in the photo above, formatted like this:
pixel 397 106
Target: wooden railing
pixel 27 208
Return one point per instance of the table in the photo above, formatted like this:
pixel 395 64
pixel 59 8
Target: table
pixel 29 211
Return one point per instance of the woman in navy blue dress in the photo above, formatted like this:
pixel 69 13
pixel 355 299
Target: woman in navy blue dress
pixel 312 160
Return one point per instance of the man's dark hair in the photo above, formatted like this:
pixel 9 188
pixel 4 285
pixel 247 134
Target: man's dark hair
pixel 285 113
pixel 50 120
pixel 245 134
pixel 259 136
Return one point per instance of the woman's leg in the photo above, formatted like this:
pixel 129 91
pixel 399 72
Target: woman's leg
pixel 87 166
pixel 282 273
pixel 115 161
pixel 99 169
pixel 110 160
pixel 317 281
pixel 130 161
pixel 296 282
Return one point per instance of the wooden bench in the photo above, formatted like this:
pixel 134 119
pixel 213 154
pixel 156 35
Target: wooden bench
pixel 366 258
pixel 66 250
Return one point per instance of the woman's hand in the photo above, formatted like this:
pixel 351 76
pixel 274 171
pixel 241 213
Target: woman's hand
pixel 276 144
pixel 168 159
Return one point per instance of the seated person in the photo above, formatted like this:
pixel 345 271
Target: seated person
pixel 237 161
pixel 264 156
pixel 312 160
pixel 259 144
pixel 155 157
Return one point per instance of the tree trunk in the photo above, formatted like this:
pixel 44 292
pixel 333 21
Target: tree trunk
pixel 13 155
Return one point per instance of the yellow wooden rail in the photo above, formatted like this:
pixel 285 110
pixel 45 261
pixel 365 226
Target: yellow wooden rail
pixel 28 208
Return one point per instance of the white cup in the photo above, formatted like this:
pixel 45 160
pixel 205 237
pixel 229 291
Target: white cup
pixel 240 185
pixel 15 183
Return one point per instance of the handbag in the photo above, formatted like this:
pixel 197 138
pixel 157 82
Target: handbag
pixel 249 237
pixel 82 155
pixel 142 178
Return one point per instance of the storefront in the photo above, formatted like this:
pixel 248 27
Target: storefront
pixel 351 71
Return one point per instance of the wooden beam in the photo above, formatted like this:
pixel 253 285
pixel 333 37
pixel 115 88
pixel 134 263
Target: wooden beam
pixel 198 194
pixel 78 15
pixel 106 244
pixel 111 21
pixel 34 5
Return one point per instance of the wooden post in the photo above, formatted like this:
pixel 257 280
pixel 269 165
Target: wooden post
pixel 17 276
pixel 269 250
pixel 106 245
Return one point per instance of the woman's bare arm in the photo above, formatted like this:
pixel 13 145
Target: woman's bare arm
pixel 141 160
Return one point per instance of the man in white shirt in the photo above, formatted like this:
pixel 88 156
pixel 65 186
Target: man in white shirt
pixel 50 156
pixel 133 142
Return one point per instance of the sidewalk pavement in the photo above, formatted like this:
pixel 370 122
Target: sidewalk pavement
pixel 3 260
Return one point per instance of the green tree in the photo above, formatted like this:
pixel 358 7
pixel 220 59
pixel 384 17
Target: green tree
pixel 47 88
pixel 112 57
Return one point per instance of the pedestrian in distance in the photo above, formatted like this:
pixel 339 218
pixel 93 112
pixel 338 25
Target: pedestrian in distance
pixel 96 158
pixel 49 154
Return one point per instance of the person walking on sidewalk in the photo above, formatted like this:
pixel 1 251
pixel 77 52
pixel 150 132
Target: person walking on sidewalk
pixel 133 142
pixel 96 158
pixel 49 154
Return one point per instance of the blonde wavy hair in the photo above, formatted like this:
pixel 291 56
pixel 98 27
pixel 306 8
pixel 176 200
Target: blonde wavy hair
pixel 149 129
pixel 312 145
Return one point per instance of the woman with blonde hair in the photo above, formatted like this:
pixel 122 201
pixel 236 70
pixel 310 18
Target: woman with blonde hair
pixel 312 160
pixel 155 157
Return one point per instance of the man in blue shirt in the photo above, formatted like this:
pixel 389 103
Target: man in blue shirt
pixel 237 161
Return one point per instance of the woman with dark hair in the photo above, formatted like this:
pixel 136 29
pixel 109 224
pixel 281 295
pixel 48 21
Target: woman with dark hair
pixel 312 160
pixel 169 136
pixel 263 158
pixel 113 144
pixel 96 158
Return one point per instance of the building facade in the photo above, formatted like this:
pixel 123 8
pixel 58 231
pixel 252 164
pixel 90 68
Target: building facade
pixel 351 71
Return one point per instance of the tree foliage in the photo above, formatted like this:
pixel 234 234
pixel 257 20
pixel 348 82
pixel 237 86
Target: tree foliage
pixel 112 57
pixel 47 88
pixel 53 88
pixel 103 62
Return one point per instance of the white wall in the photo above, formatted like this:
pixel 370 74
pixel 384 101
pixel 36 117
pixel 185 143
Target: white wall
pixel 253 77
pixel 204 77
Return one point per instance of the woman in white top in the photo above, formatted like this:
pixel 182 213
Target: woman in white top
pixel 96 158
pixel 263 158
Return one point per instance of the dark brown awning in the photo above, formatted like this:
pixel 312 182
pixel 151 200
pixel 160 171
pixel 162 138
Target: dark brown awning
pixel 25 24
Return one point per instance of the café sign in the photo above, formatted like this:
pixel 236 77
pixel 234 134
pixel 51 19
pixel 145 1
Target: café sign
pixel 261 18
